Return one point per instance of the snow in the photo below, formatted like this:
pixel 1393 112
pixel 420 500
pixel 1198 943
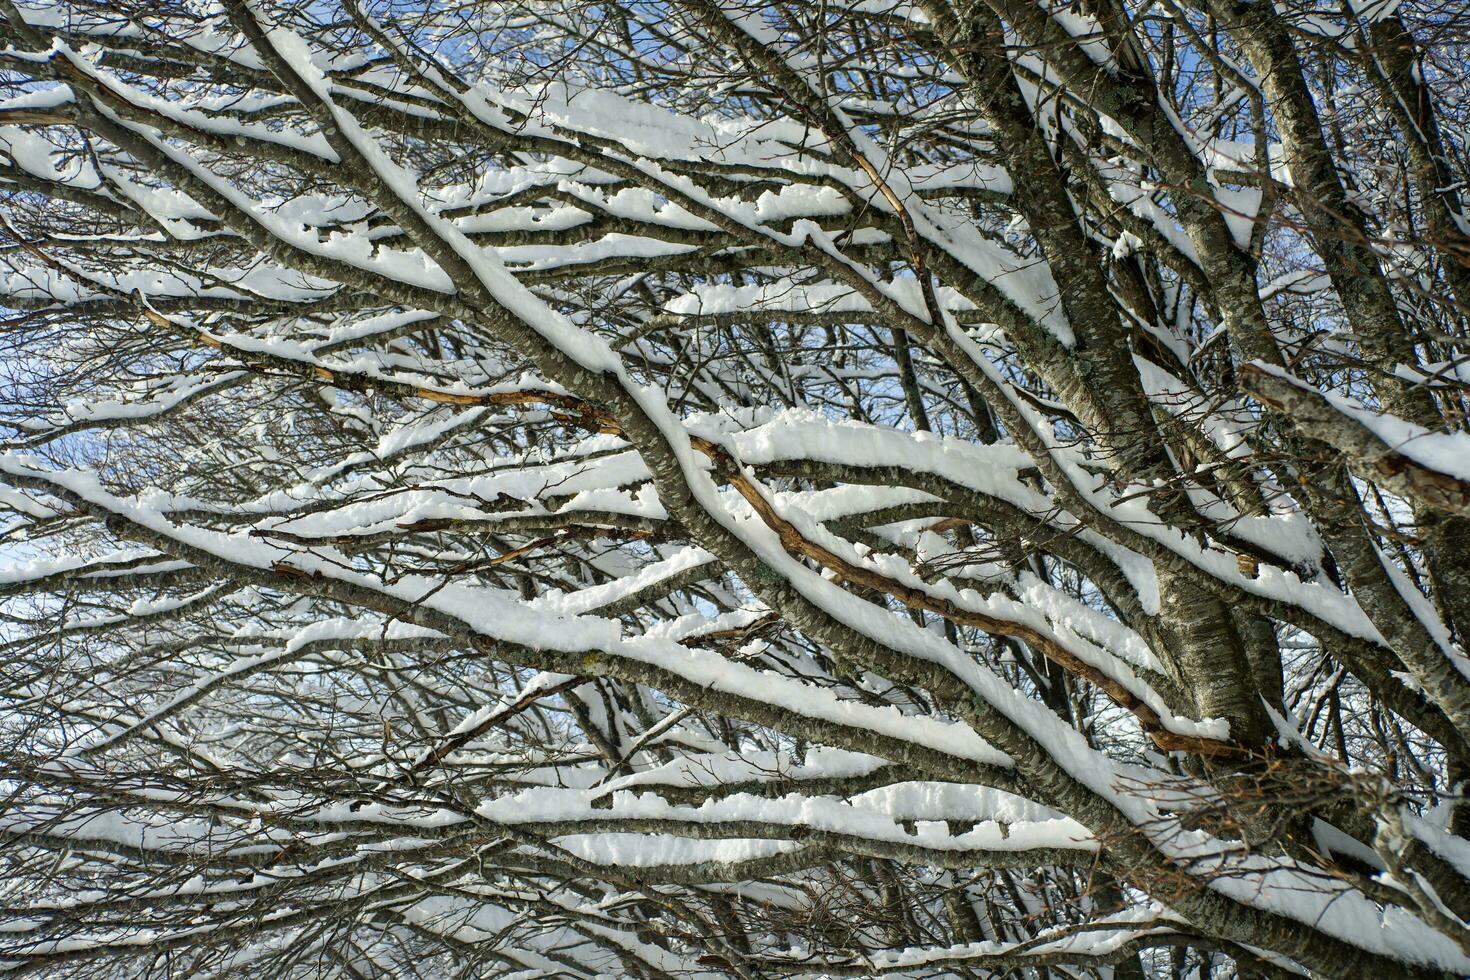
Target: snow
pixel 929 807
pixel 616 850
pixel 609 790
pixel 1445 452
pixel 596 596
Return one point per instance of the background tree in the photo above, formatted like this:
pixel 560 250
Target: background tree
pixel 955 488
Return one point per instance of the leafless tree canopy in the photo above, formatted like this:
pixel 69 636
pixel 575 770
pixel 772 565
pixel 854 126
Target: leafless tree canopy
pixel 704 488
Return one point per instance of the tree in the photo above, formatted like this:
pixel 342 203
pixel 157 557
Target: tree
pixel 567 488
